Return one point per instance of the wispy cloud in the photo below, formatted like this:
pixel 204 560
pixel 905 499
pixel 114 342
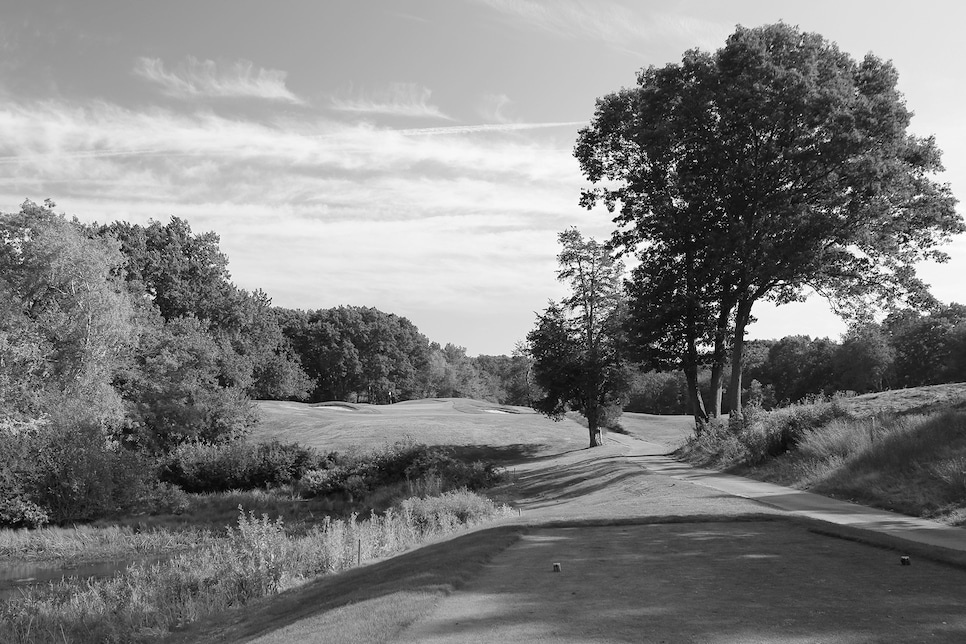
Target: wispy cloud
pixel 485 127
pixel 399 99
pixel 206 78
pixel 493 108
pixel 619 25
pixel 323 198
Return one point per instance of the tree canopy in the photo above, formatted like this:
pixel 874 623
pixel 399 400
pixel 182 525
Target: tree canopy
pixel 774 167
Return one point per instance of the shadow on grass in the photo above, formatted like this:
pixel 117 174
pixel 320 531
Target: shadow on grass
pixel 497 454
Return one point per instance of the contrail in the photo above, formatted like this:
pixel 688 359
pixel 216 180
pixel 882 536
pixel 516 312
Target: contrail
pixel 471 129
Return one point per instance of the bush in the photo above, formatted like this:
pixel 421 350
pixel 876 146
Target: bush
pixel 453 473
pixel 768 435
pixel 20 513
pixel 81 477
pixel 357 476
pixel 66 472
pixel 200 467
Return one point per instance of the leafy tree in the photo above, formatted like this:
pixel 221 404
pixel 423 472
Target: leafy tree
pixel 505 378
pixel 352 350
pixel 776 165
pixel 925 344
pixel 186 275
pixel 177 392
pixel 577 344
pixel 453 374
pixel 66 321
pixel 864 361
pixel 798 366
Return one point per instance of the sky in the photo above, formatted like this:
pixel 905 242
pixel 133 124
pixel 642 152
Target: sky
pixel 411 155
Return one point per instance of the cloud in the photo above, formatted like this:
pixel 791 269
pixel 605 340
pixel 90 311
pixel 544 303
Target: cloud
pixel 442 219
pixel 610 22
pixel 203 78
pixel 492 109
pixel 399 99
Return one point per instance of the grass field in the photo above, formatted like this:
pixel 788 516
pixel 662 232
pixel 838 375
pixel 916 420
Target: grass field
pixel 498 430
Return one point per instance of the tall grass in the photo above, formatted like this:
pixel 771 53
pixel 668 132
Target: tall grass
pixel 915 464
pixel 95 543
pixel 256 558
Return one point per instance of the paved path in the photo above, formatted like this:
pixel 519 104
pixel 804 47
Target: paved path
pixel 652 457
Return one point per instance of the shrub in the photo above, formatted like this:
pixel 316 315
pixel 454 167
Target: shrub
pixel 80 477
pixel 768 435
pixel 200 467
pixel 357 476
pixel 20 513
pixel 453 473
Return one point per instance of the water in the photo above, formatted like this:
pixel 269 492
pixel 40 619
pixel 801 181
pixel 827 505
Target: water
pixel 16 575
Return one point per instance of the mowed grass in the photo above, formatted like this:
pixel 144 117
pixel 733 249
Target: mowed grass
pixel 669 431
pixel 479 430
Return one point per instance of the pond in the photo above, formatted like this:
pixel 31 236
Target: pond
pixel 18 574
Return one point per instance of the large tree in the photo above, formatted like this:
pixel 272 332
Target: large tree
pixel 785 165
pixel 577 345
pixel 66 320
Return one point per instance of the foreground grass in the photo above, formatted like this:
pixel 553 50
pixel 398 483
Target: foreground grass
pixel 255 559
pixel 910 463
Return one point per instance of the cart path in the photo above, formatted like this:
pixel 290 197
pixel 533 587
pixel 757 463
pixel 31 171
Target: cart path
pixel 652 457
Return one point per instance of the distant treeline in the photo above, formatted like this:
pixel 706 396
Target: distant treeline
pixel 363 354
pixel 908 349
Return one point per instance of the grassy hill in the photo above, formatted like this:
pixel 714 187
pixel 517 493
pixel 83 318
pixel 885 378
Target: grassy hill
pixel 902 450
pixel 478 429
pixel 912 400
pixel 474 428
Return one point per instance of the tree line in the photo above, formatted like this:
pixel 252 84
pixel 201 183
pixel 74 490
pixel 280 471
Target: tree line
pixel 908 349
pixel 364 354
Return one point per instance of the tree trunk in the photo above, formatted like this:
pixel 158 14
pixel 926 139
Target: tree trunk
pixel 718 359
pixel 690 362
pixel 717 387
pixel 595 437
pixel 694 395
pixel 742 315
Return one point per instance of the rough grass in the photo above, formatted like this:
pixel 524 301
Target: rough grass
pixel 908 456
pixel 256 558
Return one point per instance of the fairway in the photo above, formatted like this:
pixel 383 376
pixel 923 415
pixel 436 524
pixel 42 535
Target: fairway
pixel 500 429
